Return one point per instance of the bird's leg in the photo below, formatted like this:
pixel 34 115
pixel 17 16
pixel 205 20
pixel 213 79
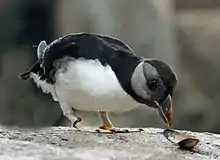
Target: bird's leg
pixel 75 121
pixel 108 126
pixel 68 113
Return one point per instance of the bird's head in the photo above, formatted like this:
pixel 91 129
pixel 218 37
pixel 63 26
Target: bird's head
pixel 154 81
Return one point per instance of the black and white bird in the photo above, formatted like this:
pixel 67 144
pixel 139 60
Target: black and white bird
pixel 93 72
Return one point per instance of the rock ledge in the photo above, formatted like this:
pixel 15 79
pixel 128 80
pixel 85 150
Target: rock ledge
pixel 67 143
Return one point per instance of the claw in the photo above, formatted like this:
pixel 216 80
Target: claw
pixel 98 131
pixel 77 121
pixel 113 131
pixel 119 130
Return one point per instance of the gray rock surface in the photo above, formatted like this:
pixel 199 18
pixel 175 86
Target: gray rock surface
pixel 67 143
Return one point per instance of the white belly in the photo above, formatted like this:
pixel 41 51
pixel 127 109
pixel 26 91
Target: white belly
pixel 84 101
pixel 87 85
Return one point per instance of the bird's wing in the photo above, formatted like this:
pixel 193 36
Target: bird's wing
pixel 40 49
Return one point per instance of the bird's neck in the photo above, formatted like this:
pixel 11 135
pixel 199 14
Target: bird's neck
pixel 124 66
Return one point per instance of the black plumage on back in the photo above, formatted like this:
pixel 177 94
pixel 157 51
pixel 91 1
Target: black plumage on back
pixel 107 50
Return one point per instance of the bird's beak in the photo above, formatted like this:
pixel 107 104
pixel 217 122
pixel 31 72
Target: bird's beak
pixel 165 110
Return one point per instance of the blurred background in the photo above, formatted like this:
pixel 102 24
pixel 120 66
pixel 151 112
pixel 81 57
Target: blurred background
pixel 185 33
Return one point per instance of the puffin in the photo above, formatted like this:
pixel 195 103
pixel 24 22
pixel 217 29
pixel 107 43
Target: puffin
pixel 95 72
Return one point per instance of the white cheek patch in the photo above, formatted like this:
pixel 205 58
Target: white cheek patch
pixel 139 84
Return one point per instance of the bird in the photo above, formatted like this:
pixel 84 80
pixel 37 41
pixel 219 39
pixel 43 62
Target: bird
pixel 95 72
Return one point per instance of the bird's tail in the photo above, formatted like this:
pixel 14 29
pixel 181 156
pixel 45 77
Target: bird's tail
pixel 27 74
pixel 36 67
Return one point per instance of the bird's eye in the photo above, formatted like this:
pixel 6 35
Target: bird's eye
pixel 152 84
